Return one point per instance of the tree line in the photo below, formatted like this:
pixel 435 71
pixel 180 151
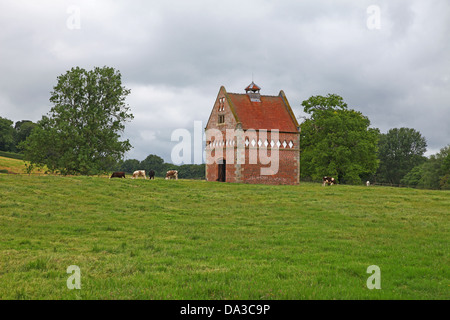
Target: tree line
pixel 81 135
pixel 338 141
pixel 157 164
pixel 11 136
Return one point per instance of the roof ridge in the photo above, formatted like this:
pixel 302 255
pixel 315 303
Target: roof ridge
pixel 246 94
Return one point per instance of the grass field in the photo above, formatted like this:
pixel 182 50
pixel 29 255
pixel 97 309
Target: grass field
pixel 158 239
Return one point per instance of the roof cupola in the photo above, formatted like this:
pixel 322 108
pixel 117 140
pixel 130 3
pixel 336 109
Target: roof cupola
pixel 252 91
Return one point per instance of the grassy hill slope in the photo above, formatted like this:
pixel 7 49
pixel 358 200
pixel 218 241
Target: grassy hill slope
pixel 12 165
pixel 159 239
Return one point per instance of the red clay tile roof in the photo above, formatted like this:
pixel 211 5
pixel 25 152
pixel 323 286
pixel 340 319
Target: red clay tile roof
pixel 270 113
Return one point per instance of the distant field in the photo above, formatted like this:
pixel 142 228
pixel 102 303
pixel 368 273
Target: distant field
pixel 159 239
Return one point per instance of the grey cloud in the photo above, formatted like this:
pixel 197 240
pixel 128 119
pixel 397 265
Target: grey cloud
pixel 175 55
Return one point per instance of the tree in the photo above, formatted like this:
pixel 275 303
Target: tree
pixel 130 165
pixel 80 134
pixel 400 150
pixel 22 129
pixel 412 178
pixel 434 173
pixel 155 163
pixel 192 171
pixel 6 135
pixel 444 181
pixel 336 141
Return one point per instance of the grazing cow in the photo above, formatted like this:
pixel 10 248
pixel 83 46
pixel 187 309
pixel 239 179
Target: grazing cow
pixel 151 174
pixel 328 181
pixel 172 174
pixel 118 174
pixel 139 173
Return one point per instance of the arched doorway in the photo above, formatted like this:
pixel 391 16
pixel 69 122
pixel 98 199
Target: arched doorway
pixel 222 170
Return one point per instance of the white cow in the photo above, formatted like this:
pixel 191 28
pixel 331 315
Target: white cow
pixel 139 173
pixel 367 183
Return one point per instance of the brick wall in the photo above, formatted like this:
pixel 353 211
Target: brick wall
pixel 252 157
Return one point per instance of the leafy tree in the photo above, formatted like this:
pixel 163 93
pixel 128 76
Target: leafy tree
pixel 434 173
pixel 412 178
pixel 400 150
pixel 130 165
pixel 437 171
pixel 155 163
pixel 192 171
pixel 22 129
pixel 6 135
pixel 81 133
pixel 430 174
pixel 444 181
pixel 336 141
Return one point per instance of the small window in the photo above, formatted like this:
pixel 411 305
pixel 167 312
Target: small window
pixel 221 118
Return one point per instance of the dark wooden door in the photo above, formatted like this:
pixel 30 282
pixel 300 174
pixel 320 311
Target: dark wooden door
pixel 222 174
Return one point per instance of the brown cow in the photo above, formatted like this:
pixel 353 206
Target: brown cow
pixel 172 174
pixel 118 174
pixel 328 181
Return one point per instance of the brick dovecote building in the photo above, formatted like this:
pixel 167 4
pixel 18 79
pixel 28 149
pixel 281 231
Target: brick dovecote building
pixel 252 138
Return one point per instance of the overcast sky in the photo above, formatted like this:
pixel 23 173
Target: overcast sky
pixel 388 59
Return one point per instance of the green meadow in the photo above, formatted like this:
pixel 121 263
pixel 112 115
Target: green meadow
pixel 185 239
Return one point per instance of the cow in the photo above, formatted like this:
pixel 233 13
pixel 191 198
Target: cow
pixel 172 174
pixel 328 181
pixel 151 174
pixel 139 173
pixel 368 183
pixel 118 174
